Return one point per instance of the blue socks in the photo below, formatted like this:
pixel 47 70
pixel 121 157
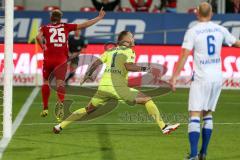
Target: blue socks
pixel 194 134
pixel 206 133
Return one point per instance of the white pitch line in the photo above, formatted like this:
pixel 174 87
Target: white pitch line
pixel 168 102
pixel 84 123
pixel 24 109
pixel 4 142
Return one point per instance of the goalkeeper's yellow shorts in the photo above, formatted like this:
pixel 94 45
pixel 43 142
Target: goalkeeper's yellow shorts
pixel 105 93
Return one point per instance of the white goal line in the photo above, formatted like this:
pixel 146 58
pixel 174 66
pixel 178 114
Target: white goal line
pixel 85 123
pixel 170 102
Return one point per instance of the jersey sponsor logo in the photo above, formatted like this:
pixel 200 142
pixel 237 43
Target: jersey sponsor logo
pixel 110 70
pixel 208 30
pixel 232 25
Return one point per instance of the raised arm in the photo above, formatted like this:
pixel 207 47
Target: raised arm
pixel 229 39
pixel 183 57
pixel 39 39
pixel 133 67
pixel 92 21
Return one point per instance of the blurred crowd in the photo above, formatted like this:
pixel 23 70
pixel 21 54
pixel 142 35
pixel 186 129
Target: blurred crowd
pixel 232 6
pixel 136 5
pixel 163 6
pixel 115 5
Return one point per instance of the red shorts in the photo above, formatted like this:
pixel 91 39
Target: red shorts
pixel 56 68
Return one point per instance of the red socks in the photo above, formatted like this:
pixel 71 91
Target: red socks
pixel 61 93
pixel 45 95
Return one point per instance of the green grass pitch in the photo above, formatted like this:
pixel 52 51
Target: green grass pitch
pixel 125 133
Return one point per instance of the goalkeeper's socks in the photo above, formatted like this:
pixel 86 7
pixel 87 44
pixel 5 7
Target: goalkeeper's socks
pixel 61 93
pixel 76 115
pixel 45 96
pixel 154 112
pixel 194 134
pixel 206 133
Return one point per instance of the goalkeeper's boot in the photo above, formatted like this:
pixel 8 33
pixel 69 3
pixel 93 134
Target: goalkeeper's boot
pixel 170 128
pixel 59 111
pixel 44 113
pixel 57 129
pixel 202 157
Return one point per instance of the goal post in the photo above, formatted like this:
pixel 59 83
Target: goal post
pixel 8 69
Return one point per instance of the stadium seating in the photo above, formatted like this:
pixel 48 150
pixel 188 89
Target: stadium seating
pixel 50 8
pixel 192 10
pixel 156 10
pixel 19 8
pixel 125 9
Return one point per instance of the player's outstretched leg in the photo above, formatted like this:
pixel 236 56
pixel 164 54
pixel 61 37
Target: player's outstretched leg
pixel 76 115
pixel 45 98
pixel 154 112
pixel 73 117
pixel 194 133
pixel 206 134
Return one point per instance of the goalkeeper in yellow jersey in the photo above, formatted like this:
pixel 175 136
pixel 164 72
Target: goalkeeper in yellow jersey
pixel 114 84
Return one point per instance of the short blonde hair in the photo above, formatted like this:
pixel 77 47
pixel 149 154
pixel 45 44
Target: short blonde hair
pixel 56 15
pixel 205 9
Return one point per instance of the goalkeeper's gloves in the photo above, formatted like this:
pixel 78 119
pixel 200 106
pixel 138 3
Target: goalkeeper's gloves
pixel 146 69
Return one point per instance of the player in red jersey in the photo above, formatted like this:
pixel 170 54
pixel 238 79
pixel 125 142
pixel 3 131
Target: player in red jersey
pixel 53 39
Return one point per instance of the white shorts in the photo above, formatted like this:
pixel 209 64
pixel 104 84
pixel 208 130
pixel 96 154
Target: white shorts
pixel 203 96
